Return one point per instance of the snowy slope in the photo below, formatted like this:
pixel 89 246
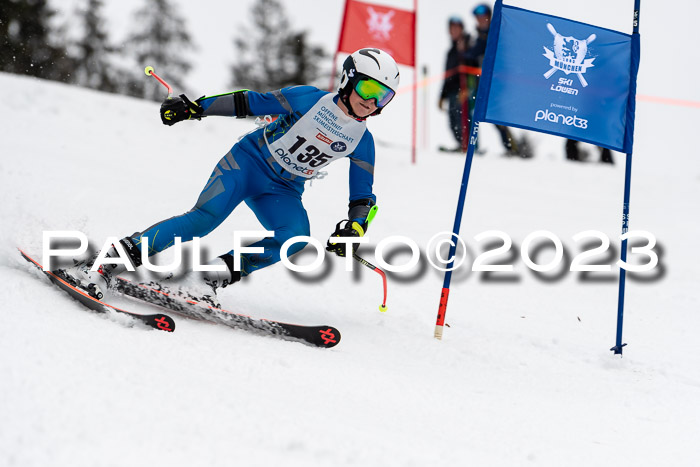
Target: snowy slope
pixel 523 375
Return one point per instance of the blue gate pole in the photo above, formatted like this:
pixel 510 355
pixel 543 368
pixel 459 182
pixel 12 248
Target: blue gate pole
pixel 478 116
pixel 442 308
pixel 617 349
pixel 623 257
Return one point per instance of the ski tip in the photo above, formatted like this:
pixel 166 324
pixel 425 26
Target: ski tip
pixel 163 323
pixel 327 337
pixel 25 255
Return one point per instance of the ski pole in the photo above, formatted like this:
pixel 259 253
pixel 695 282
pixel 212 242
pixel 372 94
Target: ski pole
pixel 374 268
pixel 370 217
pixel 149 71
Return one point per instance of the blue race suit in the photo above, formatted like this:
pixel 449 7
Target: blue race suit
pixel 268 172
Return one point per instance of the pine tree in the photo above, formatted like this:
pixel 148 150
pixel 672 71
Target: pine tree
pixel 305 60
pixel 93 68
pixel 160 39
pixel 272 56
pixel 27 45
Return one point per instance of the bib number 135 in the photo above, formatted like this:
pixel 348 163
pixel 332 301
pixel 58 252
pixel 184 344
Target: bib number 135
pixel 313 156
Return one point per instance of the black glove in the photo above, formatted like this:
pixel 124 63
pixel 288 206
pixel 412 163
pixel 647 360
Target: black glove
pixel 177 109
pixel 348 230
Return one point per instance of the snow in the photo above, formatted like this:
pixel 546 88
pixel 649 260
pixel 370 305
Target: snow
pixel 523 375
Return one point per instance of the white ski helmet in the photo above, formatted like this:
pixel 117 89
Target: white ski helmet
pixel 366 65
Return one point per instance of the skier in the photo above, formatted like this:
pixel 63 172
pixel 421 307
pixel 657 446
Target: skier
pixel 267 170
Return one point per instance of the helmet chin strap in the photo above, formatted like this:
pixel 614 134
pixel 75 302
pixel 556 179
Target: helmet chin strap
pixel 345 97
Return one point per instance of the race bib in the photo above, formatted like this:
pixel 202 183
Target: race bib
pixel 319 137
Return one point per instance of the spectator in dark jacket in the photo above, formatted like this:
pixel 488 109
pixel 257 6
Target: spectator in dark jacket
pixel 475 54
pixel 454 86
pixel 473 57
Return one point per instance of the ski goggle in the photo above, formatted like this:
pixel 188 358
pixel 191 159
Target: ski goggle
pixel 368 88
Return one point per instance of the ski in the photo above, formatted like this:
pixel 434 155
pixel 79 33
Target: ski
pixel 158 321
pixel 155 294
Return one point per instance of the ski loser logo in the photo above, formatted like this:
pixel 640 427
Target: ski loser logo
pixel 569 55
pixel 379 25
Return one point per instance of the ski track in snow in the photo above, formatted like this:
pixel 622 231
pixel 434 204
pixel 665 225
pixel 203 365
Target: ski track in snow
pixel 523 375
